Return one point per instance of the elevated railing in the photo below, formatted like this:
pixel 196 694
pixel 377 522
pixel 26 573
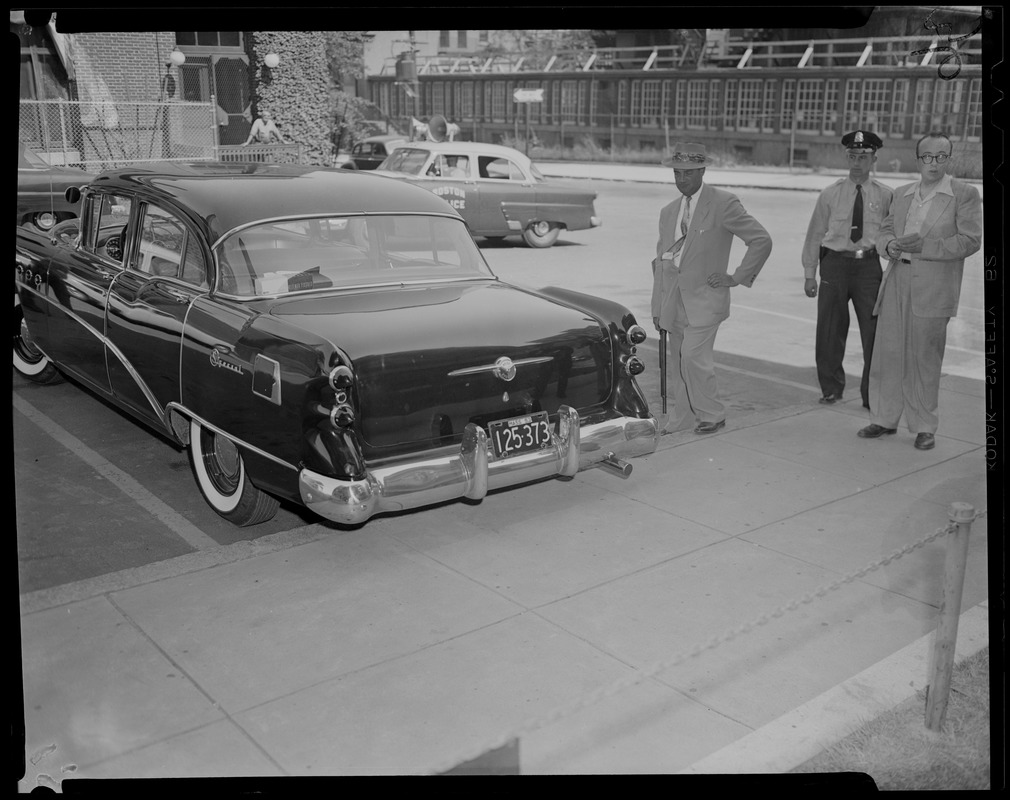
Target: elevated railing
pixel 911 51
pixel 895 51
pixel 261 153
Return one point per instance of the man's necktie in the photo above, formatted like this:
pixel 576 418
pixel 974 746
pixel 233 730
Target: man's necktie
pixel 684 221
pixel 857 216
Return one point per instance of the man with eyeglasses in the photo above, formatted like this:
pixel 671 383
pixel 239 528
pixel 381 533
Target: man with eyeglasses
pixel 841 239
pixel 934 225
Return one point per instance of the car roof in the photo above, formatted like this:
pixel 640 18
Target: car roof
pixel 494 150
pixel 386 137
pixel 223 196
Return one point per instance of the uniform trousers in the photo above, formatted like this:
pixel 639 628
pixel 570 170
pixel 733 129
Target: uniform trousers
pixel 691 366
pixel 907 357
pixel 844 280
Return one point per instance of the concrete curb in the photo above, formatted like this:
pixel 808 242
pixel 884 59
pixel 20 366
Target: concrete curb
pixel 796 737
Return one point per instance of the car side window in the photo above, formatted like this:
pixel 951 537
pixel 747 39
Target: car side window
pixel 105 219
pixel 194 266
pixel 167 249
pixel 450 166
pixel 499 168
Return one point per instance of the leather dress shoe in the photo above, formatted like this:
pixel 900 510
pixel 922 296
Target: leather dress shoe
pixel 874 431
pixel 710 427
pixel 830 399
pixel 925 441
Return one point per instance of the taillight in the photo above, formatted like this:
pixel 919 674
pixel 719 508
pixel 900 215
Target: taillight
pixel 341 379
pixel 633 366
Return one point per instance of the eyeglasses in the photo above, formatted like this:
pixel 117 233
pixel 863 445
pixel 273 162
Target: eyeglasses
pixel 929 158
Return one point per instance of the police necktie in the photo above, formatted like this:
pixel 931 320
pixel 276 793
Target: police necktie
pixel 857 216
pixel 684 220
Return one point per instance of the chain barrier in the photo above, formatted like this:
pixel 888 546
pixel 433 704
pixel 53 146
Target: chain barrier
pixel 621 684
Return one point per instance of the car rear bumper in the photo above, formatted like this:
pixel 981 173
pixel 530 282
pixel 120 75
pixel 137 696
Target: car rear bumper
pixel 471 469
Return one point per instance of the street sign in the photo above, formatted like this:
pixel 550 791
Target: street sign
pixel 528 95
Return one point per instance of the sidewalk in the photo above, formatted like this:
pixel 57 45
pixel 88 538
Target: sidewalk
pixel 799 179
pixel 422 640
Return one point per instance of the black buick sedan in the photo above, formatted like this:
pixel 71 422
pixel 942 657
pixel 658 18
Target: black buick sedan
pixel 323 336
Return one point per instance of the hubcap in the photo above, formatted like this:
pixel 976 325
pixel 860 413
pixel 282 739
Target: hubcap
pixel 541 228
pixel 224 465
pixel 24 344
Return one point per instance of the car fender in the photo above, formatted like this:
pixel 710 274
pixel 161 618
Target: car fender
pixel 520 212
pixel 607 311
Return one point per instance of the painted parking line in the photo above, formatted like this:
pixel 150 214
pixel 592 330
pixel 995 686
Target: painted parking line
pixel 160 510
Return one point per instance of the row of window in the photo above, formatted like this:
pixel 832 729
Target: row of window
pixel 897 107
pixel 462 39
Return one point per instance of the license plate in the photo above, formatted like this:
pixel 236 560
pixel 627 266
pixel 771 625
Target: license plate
pixel 510 437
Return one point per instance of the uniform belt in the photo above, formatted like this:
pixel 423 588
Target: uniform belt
pixel 869 252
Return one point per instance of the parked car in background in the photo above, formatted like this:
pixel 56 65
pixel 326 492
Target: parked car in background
pixel 42 190
pixel 370 152
pixel 324 337
pixel 497 190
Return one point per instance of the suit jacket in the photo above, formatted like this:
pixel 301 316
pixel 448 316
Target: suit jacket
pixel 716 217
pixel 951 232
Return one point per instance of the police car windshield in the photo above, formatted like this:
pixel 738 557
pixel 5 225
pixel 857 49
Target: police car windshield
pixel 407 160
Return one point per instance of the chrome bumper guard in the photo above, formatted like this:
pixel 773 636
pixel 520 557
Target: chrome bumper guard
pixel 471 471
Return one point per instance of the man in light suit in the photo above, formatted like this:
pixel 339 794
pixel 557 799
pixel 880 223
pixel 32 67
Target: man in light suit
pixel 690 284
pixel 933 226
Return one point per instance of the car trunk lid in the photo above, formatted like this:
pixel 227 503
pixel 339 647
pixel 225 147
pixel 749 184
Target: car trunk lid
pixel 425 356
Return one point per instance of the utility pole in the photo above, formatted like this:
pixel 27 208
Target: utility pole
pixel 416 85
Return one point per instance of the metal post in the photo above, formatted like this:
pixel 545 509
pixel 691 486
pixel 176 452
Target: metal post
pixel 662 366
pixel 528 128
pixel 216 127
pixel 950 613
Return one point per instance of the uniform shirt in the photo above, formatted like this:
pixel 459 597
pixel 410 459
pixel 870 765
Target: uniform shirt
pixel 831 221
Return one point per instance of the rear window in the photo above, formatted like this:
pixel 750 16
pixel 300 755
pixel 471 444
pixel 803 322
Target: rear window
pixel 318 253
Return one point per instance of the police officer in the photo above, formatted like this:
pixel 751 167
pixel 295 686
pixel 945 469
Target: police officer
pixel 841 238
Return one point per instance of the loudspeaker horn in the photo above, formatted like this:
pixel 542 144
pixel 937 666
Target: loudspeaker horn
pixel 437 128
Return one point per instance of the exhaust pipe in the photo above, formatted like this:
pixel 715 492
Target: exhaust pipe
pixel 618 465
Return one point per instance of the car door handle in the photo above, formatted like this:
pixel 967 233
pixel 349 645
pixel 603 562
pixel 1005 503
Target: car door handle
pixel 179 297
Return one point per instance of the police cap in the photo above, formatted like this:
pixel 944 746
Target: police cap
pixel 862 142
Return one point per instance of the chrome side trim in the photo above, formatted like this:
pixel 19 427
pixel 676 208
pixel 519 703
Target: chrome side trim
pixel 141 383
pixel 471 470
pixel 110 348
pixel 173 406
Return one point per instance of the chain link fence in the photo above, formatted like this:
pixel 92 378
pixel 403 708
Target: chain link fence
pixel 99 136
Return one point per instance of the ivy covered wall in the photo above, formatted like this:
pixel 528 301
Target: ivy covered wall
pixel 296 91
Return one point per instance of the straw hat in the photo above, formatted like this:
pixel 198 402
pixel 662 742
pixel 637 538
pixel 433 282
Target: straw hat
pixel 688 155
